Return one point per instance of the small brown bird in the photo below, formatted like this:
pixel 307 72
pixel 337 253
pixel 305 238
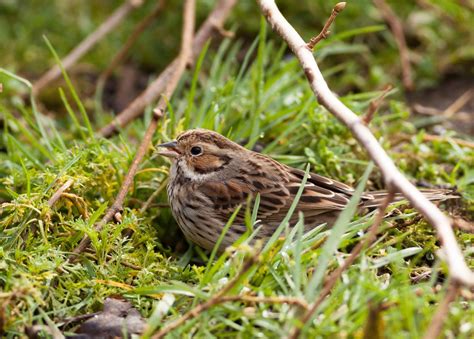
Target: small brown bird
pixel 210 176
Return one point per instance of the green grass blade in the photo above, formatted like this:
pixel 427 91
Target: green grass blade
pixel 331 244
pixel 291 210
pixel 229 223
pixel 71 113
pixel 194 83
pixel 71 88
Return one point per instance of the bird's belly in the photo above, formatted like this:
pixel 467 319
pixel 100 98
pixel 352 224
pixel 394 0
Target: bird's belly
pixel 197 219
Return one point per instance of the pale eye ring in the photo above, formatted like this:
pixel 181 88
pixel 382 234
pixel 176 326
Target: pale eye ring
pixel 196 150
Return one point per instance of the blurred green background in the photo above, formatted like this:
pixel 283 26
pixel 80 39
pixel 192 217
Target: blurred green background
pixel 365 57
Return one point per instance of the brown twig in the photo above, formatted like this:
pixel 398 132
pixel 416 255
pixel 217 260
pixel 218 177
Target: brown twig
pixel 436 325
pixel 432 137
pixel 64 187
pixel 215 19
pixel 122 53
pixel 336 274
pixel 393 178
pixel 375 104
pixel 450 111
pixel 187 38
pixel 325 31
pixel 396 27
pixel 463 225
pixel 458 103
pixel 215 300
pixel 106 27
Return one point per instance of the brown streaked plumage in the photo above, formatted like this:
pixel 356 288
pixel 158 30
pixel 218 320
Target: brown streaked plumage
pixel 210 176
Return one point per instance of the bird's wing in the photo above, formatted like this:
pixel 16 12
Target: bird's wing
pixel 277 185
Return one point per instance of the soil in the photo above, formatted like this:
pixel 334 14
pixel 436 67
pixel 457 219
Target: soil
pixel 443 96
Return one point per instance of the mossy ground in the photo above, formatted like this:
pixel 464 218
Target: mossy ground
pixel 259 98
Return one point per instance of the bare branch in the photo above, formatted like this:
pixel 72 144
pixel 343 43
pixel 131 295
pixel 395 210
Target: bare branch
pixel 392 176
pixel 325 31
pixel 396 27
pixel 436 325
pixel 185 53
pixel 336 275
pixel 215 300
pixel 106 27
pixel 139 28
pixel 215 19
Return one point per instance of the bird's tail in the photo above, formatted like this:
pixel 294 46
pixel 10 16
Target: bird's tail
pixel 375 198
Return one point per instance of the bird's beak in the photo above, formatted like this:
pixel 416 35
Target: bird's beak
pixel 171 150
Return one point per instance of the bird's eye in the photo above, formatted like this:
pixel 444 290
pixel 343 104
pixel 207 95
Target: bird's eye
pixel 196 150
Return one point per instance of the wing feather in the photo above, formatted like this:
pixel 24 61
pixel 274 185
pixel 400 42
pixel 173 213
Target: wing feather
pixel 277 185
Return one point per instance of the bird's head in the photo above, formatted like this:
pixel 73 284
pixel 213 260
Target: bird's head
pixel 200 153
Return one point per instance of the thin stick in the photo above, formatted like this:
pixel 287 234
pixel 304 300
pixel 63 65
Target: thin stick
pixel 214 21
pixel 336 274
pixel 392 176
pixel 106 27
pixel 187 37
pixel 436 325
pixel 396 27
pixel 458 103
pixel 452 109
pixel 64 187
pixel 325 31
pixel 122 53
pixel 431 137
pixel 375 104
pixel 216 299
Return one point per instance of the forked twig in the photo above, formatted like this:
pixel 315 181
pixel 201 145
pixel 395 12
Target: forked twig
pixel 393 178
pixel 396 27
pixel 336 274
pixel 106 27
pixel 185 53
pixel 325 31
pixel 215 19
pixel 436 325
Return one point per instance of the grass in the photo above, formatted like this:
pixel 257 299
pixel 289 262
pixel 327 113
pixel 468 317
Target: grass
pixel 379 294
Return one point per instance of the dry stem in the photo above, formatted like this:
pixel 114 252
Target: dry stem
pixel 393 178
pixel 375 104
pixel 432 137
pixel 59 192
pixel 187 38
pixel 216 299
pixel 458 103
pixel 107 26
pixel 325 31
pixel 215 19
pixel 436 325
pixel 396 27
pixel 335 275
